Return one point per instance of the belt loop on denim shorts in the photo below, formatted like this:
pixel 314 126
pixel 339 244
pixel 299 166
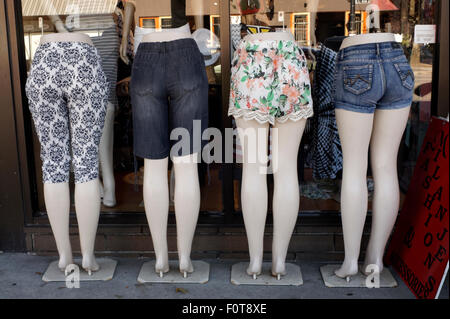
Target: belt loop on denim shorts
pixel 378 50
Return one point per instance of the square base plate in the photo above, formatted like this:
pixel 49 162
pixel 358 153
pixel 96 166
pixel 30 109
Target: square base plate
pixel 106 271
pixel 357 281
pixel 239 275
pixel 199 276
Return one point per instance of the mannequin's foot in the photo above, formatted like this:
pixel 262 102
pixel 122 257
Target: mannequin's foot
pixel 161 267
pixel 254 269
pixel 186 266
pixel 109 194
pixel 109 199
pixel 90 265
pixel 278 269
pixel 64 261
pixel 347 270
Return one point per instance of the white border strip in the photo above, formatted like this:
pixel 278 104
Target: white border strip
pixel 442 282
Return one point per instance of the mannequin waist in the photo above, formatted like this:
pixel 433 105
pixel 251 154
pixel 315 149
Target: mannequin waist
pixel 369 52
pixel 270 36
pixel 167 47
pixel 66 37
pixel 165 36
pixel 367 39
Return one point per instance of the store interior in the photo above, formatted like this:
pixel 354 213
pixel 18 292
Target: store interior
pixel 314 24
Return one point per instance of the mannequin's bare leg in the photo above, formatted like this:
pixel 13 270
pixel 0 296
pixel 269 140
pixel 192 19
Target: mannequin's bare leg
pixel 156 200
pixel 57 202
pixel 254 194
pixel 106 158
pixel 355 130
pixel 187 206
pixel 388 129
pixel 286 196
pixel 87 207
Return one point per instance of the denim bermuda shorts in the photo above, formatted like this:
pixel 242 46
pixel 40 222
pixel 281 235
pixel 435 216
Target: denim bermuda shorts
pixel 373 76
pixel 169 90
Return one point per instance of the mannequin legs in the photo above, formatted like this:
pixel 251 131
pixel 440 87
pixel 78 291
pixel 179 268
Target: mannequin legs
pixel 106 158
pixel 156 201
pixel 187 206
pixel 355 130
pixel 87 206
pixel 57 202
pixel 286 196
pixel 388 129
pixel 383 131
pixel 254 191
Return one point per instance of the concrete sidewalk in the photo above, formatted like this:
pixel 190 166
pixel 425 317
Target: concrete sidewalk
pixel 20 277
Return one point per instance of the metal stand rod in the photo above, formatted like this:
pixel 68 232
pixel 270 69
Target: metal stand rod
pixel 352 22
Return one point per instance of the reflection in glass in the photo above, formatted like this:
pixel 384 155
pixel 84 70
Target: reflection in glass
pixel 318 24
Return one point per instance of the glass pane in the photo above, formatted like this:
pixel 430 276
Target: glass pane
pixel 103 21
pixel 316 24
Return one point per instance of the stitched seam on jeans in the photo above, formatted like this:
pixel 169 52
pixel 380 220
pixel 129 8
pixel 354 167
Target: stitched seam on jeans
pixel 350 88
pixel 403 77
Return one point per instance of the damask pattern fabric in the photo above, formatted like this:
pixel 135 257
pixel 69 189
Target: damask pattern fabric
pixel 67 92
pixel 270 81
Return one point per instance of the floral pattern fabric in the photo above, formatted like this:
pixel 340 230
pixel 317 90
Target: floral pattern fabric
pixel 270 81
pixel 67 92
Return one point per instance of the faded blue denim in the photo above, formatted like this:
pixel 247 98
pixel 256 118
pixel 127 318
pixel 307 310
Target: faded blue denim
pixel 373 76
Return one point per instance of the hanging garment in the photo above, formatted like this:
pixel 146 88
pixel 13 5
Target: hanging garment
pixel 326 146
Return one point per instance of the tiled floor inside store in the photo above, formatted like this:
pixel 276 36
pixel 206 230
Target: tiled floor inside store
pixel 20 277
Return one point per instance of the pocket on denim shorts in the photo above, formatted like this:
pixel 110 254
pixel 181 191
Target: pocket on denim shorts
pixel 406 74
pixel 193 73
pixel 358 79
pixel 141 80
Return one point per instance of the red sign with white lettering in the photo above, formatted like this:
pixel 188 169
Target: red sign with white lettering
pixel 418 250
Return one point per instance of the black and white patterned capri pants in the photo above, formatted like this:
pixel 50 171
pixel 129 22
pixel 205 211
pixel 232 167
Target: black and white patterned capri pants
pixel 67 92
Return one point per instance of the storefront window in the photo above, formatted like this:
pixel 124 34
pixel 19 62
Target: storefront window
pixel 315 24
pixel 103 21
pixel 318 24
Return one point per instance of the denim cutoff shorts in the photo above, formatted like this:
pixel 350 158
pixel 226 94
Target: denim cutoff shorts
pixel 373 76
pixel 169 90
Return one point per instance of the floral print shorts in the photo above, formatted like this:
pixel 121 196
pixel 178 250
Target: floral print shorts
pixel 270 81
